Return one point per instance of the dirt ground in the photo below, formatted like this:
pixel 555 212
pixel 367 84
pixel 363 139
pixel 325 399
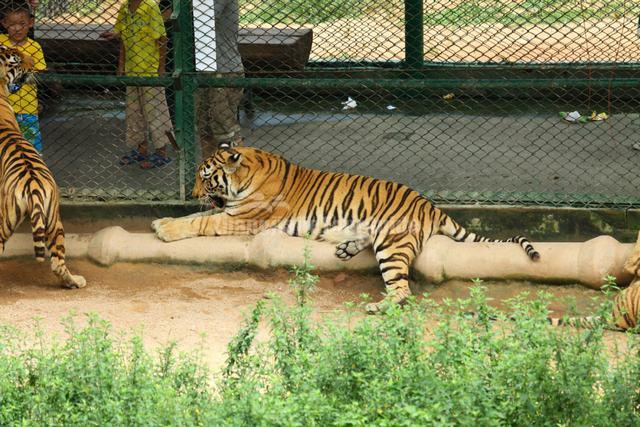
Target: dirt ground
pixel 196 305
pixel 169 302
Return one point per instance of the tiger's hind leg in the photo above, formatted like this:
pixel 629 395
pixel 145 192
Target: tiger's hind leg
pixel 394 259
pixel 58 265
pixel 9 224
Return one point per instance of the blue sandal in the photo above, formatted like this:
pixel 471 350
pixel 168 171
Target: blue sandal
pixel 133 157
pixel 155 161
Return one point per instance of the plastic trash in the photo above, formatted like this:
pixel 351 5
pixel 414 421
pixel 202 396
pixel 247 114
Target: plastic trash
pixel 573 117
pixel 349 104
pixel 596 117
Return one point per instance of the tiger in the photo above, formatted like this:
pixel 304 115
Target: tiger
pixel 27 186
pixel 263 191
pixel 624 313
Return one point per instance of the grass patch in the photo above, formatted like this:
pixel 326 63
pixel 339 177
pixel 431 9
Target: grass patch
pixel 529 12
pixel 312 11
pixel 458 13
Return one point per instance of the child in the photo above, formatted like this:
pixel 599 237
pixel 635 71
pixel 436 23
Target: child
pixel 17 20
pixel 140 28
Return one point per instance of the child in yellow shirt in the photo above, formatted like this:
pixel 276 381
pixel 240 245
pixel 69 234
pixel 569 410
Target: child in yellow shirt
pixel 143 48
pixel 17 20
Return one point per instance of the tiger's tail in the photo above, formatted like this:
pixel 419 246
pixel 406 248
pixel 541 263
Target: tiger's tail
pixel 38 221
pixel 624 313
pixel 585 322
pixel 452 229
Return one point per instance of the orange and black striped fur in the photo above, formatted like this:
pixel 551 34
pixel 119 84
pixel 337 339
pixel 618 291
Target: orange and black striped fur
pixel 263 190
pixel 624 315
pixel 26 184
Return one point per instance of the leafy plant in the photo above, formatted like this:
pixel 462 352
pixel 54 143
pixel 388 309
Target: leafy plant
pixel 420 364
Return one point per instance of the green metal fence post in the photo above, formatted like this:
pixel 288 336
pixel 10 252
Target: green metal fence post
pixel 413 34
pixel 184 87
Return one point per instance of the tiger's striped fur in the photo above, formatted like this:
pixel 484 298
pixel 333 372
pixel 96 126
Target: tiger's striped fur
pixel 263 190
pixel 624 315
pixel 27 186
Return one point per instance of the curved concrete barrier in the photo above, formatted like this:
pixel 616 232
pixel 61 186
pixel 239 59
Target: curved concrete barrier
pixel 442 258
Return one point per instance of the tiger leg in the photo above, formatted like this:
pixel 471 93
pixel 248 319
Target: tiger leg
pixel 55 241
pixel 170 229
pixel 8 224
pixel 193 215
pixel 394 261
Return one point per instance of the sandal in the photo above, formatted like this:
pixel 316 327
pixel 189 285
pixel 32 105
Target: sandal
pixel 155 161
pixel 133 157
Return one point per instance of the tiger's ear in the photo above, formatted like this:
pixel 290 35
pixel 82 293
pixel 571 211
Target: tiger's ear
pixel 232 162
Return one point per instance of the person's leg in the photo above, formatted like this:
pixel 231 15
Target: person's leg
pixel 224 120
pixel 159 122
pixel 158 116
pixel 135 122
pixel 203 122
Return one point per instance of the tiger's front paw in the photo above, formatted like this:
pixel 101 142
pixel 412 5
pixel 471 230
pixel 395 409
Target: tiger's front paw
pixel 170 229
pixel 158 222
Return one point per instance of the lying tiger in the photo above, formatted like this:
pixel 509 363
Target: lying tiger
pixel 26 184
pixel 262 191
pixel 624 314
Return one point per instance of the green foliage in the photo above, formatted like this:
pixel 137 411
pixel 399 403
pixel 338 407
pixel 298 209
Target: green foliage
pixel 53 8
pixel 303 281
pixel 383 371
pixel 311 11
pixel 459 13
pixel 474 12
pixel 89 380
pixel 420 364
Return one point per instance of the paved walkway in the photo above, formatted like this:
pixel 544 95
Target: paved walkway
pixel 450 155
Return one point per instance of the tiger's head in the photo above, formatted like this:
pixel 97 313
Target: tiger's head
pixel 218 176
pixel 16 68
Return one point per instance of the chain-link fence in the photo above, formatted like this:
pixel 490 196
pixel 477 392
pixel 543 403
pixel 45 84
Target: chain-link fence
pixel 466 101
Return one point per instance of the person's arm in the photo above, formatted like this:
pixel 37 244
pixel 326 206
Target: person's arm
pixel 37 55
pixel 109 35
pixel 162 52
